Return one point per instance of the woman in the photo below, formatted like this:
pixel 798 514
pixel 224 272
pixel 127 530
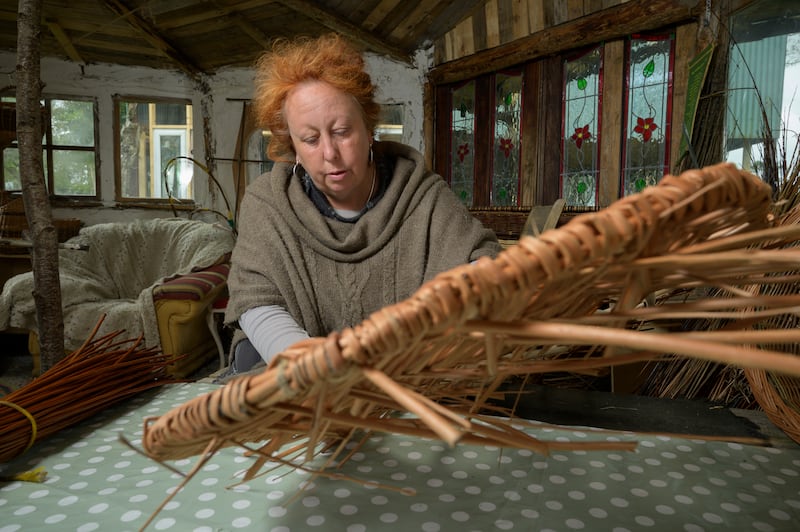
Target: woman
pixel 343 225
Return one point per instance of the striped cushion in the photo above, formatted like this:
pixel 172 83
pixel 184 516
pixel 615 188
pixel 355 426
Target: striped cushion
pixel 194 286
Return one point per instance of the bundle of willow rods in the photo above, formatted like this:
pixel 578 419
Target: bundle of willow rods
pixel 101 372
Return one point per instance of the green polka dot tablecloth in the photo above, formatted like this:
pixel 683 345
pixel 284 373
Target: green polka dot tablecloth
pixel 95 482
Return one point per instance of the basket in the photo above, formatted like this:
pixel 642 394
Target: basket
pixel 507 222
pixel 443 353
pixel 779 395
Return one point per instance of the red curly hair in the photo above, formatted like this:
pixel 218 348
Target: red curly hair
pixel 329 58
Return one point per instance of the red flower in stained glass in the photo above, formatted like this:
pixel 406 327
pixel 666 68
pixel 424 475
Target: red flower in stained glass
pixel 645 127
pixel 463 150
pixel 506 145
pixel 581 134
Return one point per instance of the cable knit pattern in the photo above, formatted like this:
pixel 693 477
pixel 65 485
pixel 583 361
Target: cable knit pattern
pixel 330 274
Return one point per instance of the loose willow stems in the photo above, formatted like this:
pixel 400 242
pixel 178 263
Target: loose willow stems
pixel 101 372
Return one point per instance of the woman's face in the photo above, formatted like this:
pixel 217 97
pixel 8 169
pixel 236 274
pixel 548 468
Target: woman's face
pixel 331 141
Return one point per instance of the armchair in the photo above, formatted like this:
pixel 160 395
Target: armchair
pixel 157 278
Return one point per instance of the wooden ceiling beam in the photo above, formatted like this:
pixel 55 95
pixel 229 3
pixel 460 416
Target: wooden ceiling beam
pixel 63 39
pixel 152 36
pixel 377 15
pixel 251 30
pixel 337 24
pixel 607 24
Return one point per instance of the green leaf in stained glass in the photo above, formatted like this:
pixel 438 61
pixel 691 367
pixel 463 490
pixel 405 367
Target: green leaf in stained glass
pixel 649 68
pixel 581 187
pixel 508 100
pixel 463 110
pixel 639 184
pixel 463 195
pixel 502 193
pixel 582 84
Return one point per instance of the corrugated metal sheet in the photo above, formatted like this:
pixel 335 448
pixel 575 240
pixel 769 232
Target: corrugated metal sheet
pixel 756 69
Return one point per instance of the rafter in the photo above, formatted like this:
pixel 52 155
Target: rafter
pixel 152 35
pixel 63 39
pixel 336 23
pixel 251 30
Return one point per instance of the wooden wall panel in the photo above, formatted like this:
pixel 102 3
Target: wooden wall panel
pixel 685 50
pixel 611 122
pixel 627 17
pixel 519 19
pixel 536 16
pixel 479 36
pixel 492 24
pixel 463 43
pixel 503 21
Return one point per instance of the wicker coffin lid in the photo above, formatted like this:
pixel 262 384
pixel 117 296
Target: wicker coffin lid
pixel 441 353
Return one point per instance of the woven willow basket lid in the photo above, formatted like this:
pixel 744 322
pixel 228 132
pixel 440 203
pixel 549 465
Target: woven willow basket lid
pixel 441 354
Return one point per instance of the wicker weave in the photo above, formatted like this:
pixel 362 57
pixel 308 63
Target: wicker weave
pixel 441 354
pixel 779 395
pixel 506 222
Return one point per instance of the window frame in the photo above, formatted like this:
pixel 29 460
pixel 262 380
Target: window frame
pixel 483 134
pixel 48 148
pixel 175 203
pixel 542 126
pixel 565 138
pixel 668 107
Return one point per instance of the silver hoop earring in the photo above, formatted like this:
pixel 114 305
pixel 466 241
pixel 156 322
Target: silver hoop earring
pixel 294 168
pixel 371 157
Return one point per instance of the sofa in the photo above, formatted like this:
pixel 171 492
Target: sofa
pixel 155 278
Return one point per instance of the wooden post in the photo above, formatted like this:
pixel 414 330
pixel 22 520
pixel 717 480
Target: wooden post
pixel 43 234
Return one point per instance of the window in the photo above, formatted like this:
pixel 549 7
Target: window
pixel 648 101
pixel 69 147
pixel 484 135
pixel 580 158
pixel 153 143
pixel 257 160
pixel 462 135
pixel 391 125
pixel 507 135
pixel 763 80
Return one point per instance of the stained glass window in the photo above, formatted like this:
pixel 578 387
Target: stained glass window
pixel 462 151
pixel 580 163
pixel 507 113
pixel 648 104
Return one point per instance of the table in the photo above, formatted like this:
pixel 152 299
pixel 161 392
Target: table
pixel 97 483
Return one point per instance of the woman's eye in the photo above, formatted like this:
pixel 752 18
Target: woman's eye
pixel 310 140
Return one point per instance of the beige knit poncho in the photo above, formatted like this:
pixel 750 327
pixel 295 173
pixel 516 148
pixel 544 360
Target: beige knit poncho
pixel 330 274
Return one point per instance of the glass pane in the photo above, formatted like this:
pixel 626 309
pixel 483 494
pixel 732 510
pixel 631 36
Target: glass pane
pixel 505 177
pixel 257 151
pixel 580 146
pixel 72 123
pixel 391 126
pixel 762 95
pixel 462 149
pixel 74 173
pixel 170 114
pixel 647 122
pixel 152 163
pixel 11 179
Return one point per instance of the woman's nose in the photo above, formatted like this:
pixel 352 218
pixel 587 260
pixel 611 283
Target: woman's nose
pixel 329 148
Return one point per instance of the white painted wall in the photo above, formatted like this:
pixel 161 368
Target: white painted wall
pixel 397 83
